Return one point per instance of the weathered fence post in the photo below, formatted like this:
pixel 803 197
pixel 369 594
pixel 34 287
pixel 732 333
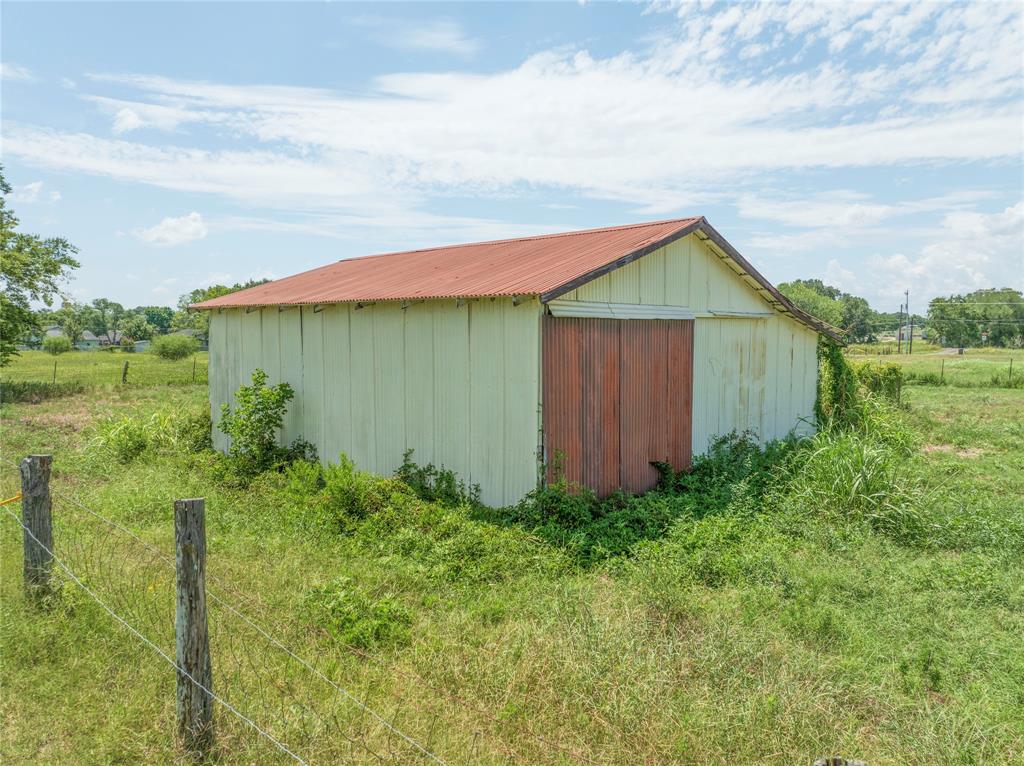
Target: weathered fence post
pixel 54 370
pixel 194 368
pixel 195 674
pixel 38 523
pixel 124 373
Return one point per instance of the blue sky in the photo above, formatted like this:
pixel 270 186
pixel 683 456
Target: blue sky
pixel 875 145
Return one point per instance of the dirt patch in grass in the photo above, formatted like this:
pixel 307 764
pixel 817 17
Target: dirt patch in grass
pixel 967 452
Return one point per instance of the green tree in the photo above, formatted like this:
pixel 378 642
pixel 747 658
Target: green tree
pixel 136 327
pixel 813 302
pixel 105 318
pixel 960 320
pixel 857 319
pixel 158 316
pixel 72 320
pixel 200 320
pixel 31 269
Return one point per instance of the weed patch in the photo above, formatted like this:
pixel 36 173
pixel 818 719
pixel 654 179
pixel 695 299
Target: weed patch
pixel 34 392
pixel 355 618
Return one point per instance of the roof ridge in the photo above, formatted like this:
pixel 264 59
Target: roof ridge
pixel 530 238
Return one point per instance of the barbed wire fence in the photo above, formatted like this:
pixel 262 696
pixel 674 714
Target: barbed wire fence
pixel 275 704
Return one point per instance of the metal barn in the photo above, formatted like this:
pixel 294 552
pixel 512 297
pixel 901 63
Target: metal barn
pixel 608 348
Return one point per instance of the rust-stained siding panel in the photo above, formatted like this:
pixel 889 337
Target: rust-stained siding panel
pixel 617 395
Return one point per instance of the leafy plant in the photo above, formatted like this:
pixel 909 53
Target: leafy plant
pixel 254 425
pixel 174 347
pixel 437 484
pixel 881 378
pixel 837 386
pixel 356 619
pixel 56 344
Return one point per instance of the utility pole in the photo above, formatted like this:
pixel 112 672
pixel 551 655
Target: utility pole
pixel 910 342
pixel 899 332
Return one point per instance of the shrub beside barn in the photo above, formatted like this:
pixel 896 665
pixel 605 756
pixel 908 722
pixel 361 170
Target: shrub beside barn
pixel 599 350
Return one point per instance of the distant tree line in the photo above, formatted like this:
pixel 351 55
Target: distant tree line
pixel 984 317
pixel 981 318
pixel 851 314
pixel 116 325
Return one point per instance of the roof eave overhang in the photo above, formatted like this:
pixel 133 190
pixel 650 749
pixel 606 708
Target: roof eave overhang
pixel 728 253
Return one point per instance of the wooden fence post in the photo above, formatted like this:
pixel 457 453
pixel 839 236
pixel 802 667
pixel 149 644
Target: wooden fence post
pixel 54 370
pixel 124 373
pixel 195 674
pixel 37 520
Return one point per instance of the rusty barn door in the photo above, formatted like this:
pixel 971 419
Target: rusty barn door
pixel 617 395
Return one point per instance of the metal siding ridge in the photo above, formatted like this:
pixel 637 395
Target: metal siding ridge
pixel 603 310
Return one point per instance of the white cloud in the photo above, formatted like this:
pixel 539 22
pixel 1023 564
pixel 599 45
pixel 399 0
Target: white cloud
pixel 970 250
pixel 14 72
pixel 439 35
pixel 126 120
pixel 33 192
pixel 174 231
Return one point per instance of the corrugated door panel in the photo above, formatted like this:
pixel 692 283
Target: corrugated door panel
pixel 600 390
pixel 563 397
pixel 680 393
pixel 632 417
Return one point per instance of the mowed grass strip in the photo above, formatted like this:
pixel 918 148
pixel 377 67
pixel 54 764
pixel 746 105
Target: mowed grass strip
pixel 104 368
pixel 976 367
pixel 739 638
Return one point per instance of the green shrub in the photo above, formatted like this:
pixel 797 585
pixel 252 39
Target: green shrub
pixel 34 392
pixel 124 438
pixel 880 378
pixel 56 344
pixel 437 484
pixel 128 436
pixel 254 425
pixel 173 347
pixel 356 619
pixel 837 397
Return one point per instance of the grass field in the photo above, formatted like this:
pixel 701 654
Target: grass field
pixel 817 621
pixel 975 367
pixel 104 368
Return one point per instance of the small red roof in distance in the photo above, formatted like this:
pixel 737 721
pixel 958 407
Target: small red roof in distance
pixel 526 266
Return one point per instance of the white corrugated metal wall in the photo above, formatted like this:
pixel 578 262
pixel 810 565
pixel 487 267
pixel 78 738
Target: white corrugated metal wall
pixel 456 384
pixel 751 373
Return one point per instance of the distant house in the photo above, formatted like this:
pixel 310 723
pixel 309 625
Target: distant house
pixel 88 341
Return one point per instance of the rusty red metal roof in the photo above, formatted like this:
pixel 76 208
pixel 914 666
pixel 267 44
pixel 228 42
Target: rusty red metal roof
pixel 526 266
pixel 547 266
